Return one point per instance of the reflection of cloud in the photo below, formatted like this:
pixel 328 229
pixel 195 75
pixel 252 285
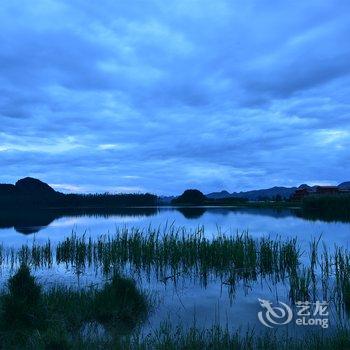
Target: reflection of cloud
pixel 80 223
pixel 244 94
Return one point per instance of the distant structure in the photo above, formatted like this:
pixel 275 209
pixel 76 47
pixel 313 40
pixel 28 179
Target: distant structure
pixel 327 190
pixel 300 193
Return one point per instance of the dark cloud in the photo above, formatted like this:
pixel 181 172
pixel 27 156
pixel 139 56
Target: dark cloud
pixel 160 97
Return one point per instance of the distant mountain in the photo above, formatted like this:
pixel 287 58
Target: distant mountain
pixel 29 185
pixel 345 185
pixel 219 195
pixel 7 189
pixel 268 193
pixel 32 193
pixel 165 199
pixel 305 186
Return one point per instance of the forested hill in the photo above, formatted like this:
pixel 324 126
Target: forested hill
pixel 33 193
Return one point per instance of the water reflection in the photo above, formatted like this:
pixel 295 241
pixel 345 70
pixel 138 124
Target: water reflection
pixel 192 212
pixel 18 228
pixel 28 222
pixel 188 293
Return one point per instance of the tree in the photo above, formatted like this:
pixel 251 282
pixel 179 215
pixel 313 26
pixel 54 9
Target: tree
pixel 191 197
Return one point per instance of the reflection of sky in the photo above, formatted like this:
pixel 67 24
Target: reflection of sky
pixel 257 223
pixel 189 299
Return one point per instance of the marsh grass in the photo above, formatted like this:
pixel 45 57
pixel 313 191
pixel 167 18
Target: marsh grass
pixel 168 254
pixel 118 307
pixel 194 338
pixel 218 337
pixel 176 253
pixel 173 252
pixel 56 318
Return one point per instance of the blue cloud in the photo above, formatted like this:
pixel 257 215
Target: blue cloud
pixel 161 97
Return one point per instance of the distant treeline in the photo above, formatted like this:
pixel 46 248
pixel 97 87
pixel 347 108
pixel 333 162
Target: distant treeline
pixel 108 200
pixel 330 207
pixel 60 200
pixel 32 193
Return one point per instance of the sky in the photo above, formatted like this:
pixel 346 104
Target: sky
pixel 159 96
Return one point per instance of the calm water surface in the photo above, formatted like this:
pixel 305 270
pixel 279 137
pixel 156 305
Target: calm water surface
pixel 19 228
pixel 188 298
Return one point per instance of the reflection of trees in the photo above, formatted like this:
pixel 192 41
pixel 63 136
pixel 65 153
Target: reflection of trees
pixel 327 216
pixel 28 222
pixel 326 207
pixel 313 215
pixel 196 212
pixel 191 212
pixel 31 221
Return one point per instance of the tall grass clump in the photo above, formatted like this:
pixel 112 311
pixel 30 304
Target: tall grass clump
pixel 58 317
pixel 119 305
pixel 342 277
pixel 22 305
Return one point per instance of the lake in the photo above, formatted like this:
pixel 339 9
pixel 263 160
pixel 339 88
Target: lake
pixel 18 228
pixel 185 298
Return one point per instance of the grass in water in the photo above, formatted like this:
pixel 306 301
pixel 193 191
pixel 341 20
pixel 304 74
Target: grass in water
pixel 171 253
pixel 61 317
pixel 108 317
pixel 177 253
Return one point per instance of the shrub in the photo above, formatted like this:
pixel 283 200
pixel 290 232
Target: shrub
pixel 22 306
pixel 120 304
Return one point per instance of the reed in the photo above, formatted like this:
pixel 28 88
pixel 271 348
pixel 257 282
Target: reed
pixel 118 307
pixel 177 253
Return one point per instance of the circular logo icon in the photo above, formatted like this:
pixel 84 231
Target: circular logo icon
pixel 274 315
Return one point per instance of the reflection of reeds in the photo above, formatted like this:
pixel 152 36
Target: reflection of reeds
pixel 300 286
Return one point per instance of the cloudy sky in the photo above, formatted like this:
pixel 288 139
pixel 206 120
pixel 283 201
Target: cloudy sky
pixel 162 96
